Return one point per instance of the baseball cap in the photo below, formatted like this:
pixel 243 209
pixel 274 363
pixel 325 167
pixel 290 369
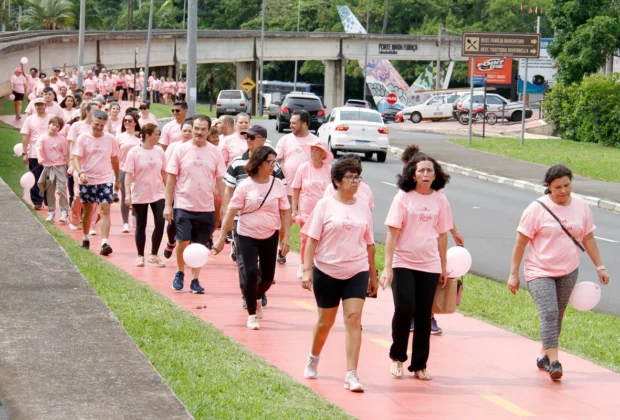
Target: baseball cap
pixel 39 101
pixel 256 130
pixel 19 69
pixel 89 92
pixel 62 74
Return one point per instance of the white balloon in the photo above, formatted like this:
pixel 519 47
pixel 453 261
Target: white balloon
pixel 18 149
pixel 196 255
pixel 32 97
pixel 24 60
pixel 27 181
pixel 459 261
pixel 11 97
pixel 585 296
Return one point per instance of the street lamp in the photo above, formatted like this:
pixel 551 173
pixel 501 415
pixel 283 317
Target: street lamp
pixel 298 19
pixel 262 54
pixel 192 55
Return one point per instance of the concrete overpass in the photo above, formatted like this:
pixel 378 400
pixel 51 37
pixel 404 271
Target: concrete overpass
pixel 115 50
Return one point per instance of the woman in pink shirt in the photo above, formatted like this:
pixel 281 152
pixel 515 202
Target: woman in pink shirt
pixel 162 91
pixel 364 193
pixel 181 89
pixel 68 106
pixel 127 140
pixel 235 144
pixel 19 86
pixel 144 183
pixel 415 258
pixel 311 180
pixel 552 260
pixel 339 264
pixel 264 209
pixel 54 155
pixel 145 115
pixel 115 123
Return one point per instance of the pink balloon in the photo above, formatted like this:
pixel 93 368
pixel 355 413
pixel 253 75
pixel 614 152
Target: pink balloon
pixel 18 149
pixel 459 261
pixel 586 295
pixel 11 97
pixel 32 97
pixel 196 255
pixel 27 181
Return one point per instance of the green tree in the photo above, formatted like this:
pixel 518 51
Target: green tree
pixel 47 15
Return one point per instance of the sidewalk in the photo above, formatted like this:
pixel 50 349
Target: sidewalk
pixel 481 372
pixel 63 355
pixel 441 149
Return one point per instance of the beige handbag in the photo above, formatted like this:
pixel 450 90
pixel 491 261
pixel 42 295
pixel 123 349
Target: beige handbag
pixel 445 297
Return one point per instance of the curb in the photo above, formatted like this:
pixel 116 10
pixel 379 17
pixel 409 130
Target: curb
pixel 524 185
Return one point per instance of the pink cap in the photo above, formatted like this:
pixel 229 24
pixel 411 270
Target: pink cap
pixel 19 69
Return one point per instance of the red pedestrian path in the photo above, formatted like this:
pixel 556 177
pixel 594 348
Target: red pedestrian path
pixel 480 371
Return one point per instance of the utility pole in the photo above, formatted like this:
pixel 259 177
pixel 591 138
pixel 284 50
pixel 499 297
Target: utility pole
pixel 438 75
pixel 184 12
pixel 135 72
pixel 298 19
pixel 366 53
pixel 148 52
pixel 386 16
pixel 471 99
pixel 192 41
pixel 81 41
pixel 129 15
pixel 262 54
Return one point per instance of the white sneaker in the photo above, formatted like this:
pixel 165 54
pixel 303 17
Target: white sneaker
pixel 72 226
pixel 92 232
pixel 259 309
pixel 312 367
pixel 300 272
pixel 253 323
pixel 352 382
pixel 125 228
pixel 63 216
pixel 50 217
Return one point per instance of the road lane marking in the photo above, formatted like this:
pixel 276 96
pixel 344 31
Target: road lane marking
pixel 382 342
pixel 505 404
pixel 305 305
pixel 607 240
pixel 388 183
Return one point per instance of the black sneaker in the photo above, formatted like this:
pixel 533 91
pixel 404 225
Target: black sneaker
pixel 169 250
pixel 281 258
pixel 263 300
pixel 543 363
pixel 555 370
pixel 105 250
pixel 86 244
pixel 196 288
pixel 244 305
pixel 411 327
pixel 435 329
pixel 177 284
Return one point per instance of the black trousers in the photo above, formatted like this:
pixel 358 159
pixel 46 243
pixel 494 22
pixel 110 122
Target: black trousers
pixel 256 280
pixel 413 292
pixel 71 187
pixel 36 169
pixel 141 211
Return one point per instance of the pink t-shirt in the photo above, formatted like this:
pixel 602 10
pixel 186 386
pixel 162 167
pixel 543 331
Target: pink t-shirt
pixel 197 169
pixel 126 142
pixel 421 219
pixel 291 155
pixel 149 119
pixel 182 87
pixel 53 150
pixel 32 82
pixel 364 193
pixel 146 166
pixel 20 83
pixel 129 81
pixel 344 233
pixel 254 222
pixel 116 125
pixel 232 146
pixel 171 133
pixel 551 252
pixel 35 127
pixel 78 128
pixel 90 84
pixel 96 154
pixel 312 183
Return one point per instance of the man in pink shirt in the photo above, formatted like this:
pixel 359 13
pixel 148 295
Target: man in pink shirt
pixel 193 170
pixel 171 133
pixel 235 144
pixel 51 106
pixel 34 127
pixel 90 83
pixel 96 162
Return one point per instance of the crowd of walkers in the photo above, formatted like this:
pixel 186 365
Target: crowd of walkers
pixel 196 175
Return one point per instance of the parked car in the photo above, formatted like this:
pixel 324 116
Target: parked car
pixel 274 110
pixel 358 103
pixel 301 100
pixel 348 129
pixel 389 114
pixel 398 118
pixel 435 108
pixel 499 106
pixel 231 102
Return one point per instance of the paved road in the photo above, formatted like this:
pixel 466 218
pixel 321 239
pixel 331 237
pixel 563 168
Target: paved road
pixel 487 215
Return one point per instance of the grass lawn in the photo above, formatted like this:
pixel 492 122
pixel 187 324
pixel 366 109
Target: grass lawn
pixel 7 107
pixel 164 111
pixel 587 159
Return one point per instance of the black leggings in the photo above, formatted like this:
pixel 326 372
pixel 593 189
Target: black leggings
pixel 141 211
pixel 413 292
pixel 257 280
pixel 71 186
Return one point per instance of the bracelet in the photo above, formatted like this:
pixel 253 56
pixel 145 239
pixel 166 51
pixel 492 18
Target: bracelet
pixel 600 268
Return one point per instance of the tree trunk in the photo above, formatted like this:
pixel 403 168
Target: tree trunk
pixel 386 15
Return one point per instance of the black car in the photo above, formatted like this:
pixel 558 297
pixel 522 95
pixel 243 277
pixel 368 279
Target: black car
pixel 296 101
pixel 389 114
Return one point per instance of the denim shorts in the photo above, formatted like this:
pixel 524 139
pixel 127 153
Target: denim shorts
pixel 102 193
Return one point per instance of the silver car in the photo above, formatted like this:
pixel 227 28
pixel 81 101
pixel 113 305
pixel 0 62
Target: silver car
pixel 231 102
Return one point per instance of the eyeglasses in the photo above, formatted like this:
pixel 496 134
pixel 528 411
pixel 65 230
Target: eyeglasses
pixel 175 111
pixel 353 178
pixel 128 121
pixel 271 162
pixel 249 137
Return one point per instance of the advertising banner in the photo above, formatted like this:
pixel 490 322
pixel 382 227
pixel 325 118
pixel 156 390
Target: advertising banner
pixel 540 71
pixel 498 71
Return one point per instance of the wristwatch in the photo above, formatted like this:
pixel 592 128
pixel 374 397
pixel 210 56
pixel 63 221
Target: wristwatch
pixel 24 154
pixel 600 268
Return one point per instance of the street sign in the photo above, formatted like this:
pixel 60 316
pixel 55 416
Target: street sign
pixel 392 98
pixel 247 84
pixel 480 44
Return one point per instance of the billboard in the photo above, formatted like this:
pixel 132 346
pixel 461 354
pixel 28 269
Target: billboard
pixel 498 71
pixel 540 71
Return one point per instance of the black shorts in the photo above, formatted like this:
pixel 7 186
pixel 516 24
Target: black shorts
pixel 194 226
pixel 18 96
pixel 102 193
pixel 119 88
pixel 130 90
pixel 328 291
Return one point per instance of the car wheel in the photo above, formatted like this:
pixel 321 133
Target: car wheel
pixel 516 116
pixel 331 149
pixel 368 155
pixel 381 156
pixel 279 127
pixel 416 117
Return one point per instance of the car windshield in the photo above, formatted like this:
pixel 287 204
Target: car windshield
pixel 230 94
pixel 352 115
pixel 307 103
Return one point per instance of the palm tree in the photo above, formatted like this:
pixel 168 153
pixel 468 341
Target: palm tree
pixel 47 14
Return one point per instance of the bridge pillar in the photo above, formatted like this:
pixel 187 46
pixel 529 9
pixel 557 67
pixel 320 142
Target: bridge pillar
pixel 247 69
pixel 334 83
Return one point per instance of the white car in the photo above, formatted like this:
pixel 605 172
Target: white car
pixel 435 108
pixel 348 129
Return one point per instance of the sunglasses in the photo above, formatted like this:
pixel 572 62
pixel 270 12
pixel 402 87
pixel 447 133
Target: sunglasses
pixel 128 121
pixel 175 111
pixel 249 137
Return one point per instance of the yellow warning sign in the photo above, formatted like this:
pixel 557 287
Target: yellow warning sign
pixel 247 84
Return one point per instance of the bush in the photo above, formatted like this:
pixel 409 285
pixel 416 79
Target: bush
pixel 588 111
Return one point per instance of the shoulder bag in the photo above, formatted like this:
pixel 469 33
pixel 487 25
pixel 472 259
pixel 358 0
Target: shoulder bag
pixel 273 179
pixel 562 226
